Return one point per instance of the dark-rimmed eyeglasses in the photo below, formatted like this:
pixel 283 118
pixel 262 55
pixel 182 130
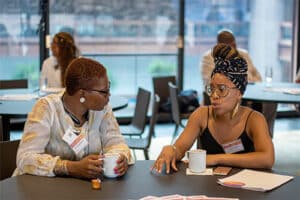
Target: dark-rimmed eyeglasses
pixel 221 90
pixel 105 93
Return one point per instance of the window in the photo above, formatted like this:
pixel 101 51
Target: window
pixel 19 41
pixel 134 39
pixel 264 28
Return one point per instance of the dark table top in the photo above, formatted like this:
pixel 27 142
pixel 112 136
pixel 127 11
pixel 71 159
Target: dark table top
pixel 259 92
pixel 137 183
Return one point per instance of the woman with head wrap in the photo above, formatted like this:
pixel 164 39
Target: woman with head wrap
pixel 231 134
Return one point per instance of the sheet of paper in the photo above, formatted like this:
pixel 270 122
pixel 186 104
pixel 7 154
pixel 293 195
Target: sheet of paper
pixel 180 197
pixel 294 91
pixel 18 97
pixel 255 180
pixel 52 90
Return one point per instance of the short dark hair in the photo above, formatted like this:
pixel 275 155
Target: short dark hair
pixel 81 74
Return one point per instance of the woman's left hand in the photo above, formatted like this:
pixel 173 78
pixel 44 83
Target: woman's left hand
pixel 122 165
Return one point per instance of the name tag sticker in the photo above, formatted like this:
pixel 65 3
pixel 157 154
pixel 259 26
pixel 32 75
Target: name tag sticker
pixel 233 147
pixel 76 142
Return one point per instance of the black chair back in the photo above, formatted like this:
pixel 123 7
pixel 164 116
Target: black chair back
pixel 143 143
pixel 174 103
pixel 141 109
pixel 9 84
pixel 8 154
pixel 160 87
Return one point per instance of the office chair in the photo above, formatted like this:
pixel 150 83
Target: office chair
pixel 138 122
pixel 15 84
pixel 144 143
pixel 177 116
pixel 8 154
pixel 160 87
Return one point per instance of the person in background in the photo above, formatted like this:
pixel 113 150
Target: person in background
pixel 207 65
pixel 224 122
pixel 80 112
pixel 64 51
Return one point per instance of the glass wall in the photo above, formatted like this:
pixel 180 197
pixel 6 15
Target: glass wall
pixel 134 39
pixel 264 28
pixel 19 41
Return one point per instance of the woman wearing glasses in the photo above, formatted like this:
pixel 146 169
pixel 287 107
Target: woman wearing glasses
pixel 231 134
pixel 65 132
pixel 63 50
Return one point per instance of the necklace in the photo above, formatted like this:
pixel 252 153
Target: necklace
pixel 73 117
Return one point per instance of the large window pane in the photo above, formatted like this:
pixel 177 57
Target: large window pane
pixel 19 45
pixel 134 39
pixel 264 28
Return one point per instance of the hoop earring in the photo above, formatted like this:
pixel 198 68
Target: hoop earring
pixel 214 115
pixel 235 110
pixel 82 99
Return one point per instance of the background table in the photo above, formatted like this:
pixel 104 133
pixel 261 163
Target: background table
pixel 257 92
pixel 137 183
pixel 20 108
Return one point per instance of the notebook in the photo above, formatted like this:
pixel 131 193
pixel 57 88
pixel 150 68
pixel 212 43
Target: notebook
pixel 255 180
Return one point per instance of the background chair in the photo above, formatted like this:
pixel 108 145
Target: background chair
pixel 8 154
pixel 160 87
pixel 18 122
pixel 145 142
pixel 10 84
pixel 177 116
pixel 138 122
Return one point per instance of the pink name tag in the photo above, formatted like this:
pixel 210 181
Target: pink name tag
pixel 233 147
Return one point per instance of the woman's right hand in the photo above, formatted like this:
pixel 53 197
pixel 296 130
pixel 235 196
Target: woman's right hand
pixel 166 157
pixel 89 167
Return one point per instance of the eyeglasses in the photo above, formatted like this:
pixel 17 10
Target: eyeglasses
pixel 105 93
pixel 221 90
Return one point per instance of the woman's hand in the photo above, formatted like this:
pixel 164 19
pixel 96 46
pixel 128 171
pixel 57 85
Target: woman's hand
pixel 89 167
pixel 122 165
pixel 167 157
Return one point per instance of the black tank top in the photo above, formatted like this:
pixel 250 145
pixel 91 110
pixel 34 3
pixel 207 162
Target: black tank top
pixel 211 146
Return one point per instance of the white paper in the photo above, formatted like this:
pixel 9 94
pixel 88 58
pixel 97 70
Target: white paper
pixel 52 90
pixel 18 97
pixel 208 171
pixel 294 91
pixel 181 197
pixel 255 180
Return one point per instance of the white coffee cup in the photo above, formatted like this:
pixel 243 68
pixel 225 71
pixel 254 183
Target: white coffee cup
pixel 109 164
pixel 197 160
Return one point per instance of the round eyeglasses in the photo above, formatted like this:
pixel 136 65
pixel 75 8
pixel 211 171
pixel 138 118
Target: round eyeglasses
pixel 220 89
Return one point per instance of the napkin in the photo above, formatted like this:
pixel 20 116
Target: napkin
pixel 208 171
pixel 18 97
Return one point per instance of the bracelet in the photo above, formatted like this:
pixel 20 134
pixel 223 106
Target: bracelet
pixel 60 167
pixel 174 147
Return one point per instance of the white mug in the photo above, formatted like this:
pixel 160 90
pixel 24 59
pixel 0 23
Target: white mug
pixel 197 160
pixel 109 163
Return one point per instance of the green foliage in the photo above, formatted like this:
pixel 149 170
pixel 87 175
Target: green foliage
pixel 29 72
pixel 113 81
pixel 161 67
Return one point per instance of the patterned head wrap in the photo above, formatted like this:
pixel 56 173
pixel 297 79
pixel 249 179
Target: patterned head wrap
pixel 235 69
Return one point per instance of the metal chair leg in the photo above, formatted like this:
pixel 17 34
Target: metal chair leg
pixel 146 154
